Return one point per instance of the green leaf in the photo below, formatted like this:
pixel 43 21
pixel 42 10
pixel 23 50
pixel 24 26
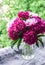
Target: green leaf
pixel 13 43
pixel 40 39
pixel 37 44
pixel 19 42
pixel 41 35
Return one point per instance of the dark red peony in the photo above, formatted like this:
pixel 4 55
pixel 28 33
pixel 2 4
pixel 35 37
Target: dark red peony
pixel 30 37
pixel 36 24
pixel 16 29
pixel 23 15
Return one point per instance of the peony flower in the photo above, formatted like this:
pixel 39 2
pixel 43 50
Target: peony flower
pixel 23 15
pixel 39 27
pixel 16 29
pixel 19 24
pixel 36 24
pixel 12 34
pixel 30 37
pixel 30 21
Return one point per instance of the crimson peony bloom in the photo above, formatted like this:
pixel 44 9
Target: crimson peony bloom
pixel 16 29
pixel 12 34
pixel 39 27
pixel 23 15
pixel 19 24
pixel 36 24
pixel 30 37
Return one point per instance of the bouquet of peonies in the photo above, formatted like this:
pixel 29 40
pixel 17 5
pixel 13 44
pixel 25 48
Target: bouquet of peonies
pixel 27 26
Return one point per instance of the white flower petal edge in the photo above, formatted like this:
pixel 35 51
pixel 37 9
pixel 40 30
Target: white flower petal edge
pixel 33 14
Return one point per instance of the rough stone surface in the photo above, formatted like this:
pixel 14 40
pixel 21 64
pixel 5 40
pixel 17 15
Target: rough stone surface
pixel 10 56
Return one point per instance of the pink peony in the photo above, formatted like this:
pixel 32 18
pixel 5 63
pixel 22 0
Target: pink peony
pixel 30 21
pixel 36 24
pixel 13 34
pixel 19 24
pixel 23 15
pixel 30 37
pixel 16 29
pixel 39 27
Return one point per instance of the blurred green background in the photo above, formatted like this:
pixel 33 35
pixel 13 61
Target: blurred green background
pixel 10 8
